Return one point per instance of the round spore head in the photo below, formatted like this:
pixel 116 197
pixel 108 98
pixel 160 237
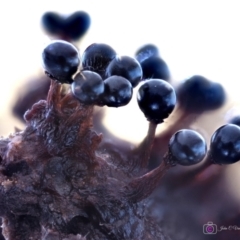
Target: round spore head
pixel 146 51
pixel 76 25
pixel 155 67
pixel 187 147
pixel 126 67
pixel 235 120
pixel 97 57
pixel 225 144
pixel 117 91
pixel 72 27
pixel 156 98
pixel 61 60
pixel 52 23
pixel 88 87
pixel 198 94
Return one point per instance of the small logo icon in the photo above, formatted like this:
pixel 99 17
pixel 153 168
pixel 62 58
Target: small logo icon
pixel 210 228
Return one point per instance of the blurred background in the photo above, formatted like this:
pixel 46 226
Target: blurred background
pixel 193 36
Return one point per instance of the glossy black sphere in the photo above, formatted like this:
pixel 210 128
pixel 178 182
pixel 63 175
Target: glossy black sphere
pixel 61 60
pixel 156 98
pixel 235 120
pixel 117 92
pixel 88 87
pixel 126 67
pixel 97 57
pixel 155 67
pixel 72 27
pixel 77 24
pixel 198 94
pixel 187 147
pixel 225 144
pixel 147 51
pixel 52 22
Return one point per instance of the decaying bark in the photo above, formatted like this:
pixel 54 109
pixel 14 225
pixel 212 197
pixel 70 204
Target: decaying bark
pixel 56 183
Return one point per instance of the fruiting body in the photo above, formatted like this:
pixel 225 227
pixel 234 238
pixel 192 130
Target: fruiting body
pixel 61 60
pixel 97 57
pixel 76 25
pixel 156 98
pixel 198 94
pixel 147 51
pixel 52 22
pixel 60 180
pixel 117 91
pixel 187 147
pixel 126 67
pixel 235 120
pixel 72 27
pixel 155 67
pixel 87 87
pixel 225 144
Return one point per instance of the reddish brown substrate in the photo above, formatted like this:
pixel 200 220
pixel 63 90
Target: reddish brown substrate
pixel 56 183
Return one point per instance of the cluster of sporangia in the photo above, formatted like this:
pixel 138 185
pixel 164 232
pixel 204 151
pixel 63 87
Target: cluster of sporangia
pixel 108 79
pixel 57 183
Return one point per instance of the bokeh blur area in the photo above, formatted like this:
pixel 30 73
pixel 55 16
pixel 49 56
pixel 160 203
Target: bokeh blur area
pixel 194 37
